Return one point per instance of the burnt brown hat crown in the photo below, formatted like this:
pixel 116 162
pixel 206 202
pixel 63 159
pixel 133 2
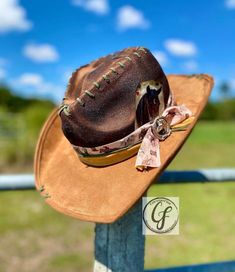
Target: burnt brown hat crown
pixel 100 104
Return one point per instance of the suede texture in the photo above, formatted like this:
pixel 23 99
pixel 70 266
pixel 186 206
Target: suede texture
pixel 113 80
pixel 105 194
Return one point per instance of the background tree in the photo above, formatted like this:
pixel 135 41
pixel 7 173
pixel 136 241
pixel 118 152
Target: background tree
pixel 225 89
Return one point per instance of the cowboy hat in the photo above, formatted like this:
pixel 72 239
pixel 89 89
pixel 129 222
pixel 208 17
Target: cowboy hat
pixel 121 123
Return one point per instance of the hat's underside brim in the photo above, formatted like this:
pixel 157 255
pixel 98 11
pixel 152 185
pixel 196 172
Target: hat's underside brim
pixel 105 194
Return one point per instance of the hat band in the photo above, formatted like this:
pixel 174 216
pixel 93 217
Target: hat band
pixel 144 141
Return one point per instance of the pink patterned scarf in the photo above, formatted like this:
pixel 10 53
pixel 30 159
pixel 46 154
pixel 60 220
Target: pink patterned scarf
pixel 148 135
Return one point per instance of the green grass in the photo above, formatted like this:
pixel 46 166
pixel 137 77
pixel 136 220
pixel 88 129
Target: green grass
pixel 211 144
pixel 206 226
pixel 34 237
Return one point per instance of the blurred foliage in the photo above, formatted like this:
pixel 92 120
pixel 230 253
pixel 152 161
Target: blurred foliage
pixel 14 103
pixel 222 110
pixel 22 118
pixel 20 123
pixel 225 89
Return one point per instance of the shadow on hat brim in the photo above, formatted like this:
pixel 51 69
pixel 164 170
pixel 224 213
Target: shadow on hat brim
pixel 105 194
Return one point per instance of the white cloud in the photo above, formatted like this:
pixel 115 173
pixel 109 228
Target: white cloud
pixel 161 57
pixel 129 17
pixel 181 48
pixel 35 84
pixel 30 79
pixel 190 66
pixel 2 73
pixel 97 6
pixel 35 81
pixel 13 17
pixel 41 52
pixel 230 4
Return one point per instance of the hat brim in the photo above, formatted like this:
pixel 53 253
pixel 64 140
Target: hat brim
pixel 105 194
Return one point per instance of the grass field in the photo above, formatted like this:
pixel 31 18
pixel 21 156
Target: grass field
pixel 33 237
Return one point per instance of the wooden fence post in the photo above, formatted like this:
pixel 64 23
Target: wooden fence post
pixel 119 247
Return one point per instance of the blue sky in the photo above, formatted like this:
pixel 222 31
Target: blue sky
pixel 42 42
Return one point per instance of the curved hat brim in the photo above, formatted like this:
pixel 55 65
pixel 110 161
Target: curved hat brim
pixel 105 194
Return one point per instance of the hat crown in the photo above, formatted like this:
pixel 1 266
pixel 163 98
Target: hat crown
pixel 108 98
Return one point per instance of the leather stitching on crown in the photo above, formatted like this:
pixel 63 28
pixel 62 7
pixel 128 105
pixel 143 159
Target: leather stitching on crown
pixel 87 92
pixel 97 84
pixel 82 103
pixel 106 78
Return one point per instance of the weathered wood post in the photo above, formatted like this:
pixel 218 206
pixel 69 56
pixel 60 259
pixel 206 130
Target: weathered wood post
pixel 119 247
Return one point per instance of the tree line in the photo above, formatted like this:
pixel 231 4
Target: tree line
pixel 22 118
pixel 223 109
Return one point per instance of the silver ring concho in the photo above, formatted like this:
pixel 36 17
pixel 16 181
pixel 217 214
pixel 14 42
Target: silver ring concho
pixel 161 128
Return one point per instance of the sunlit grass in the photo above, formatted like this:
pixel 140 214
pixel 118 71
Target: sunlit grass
pixel 206 226
pixel 32 235
pixel 211 145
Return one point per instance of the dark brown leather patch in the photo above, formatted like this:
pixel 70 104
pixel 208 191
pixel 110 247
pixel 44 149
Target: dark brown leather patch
pixel 101 97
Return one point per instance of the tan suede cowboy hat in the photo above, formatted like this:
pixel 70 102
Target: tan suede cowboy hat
pixel 120 124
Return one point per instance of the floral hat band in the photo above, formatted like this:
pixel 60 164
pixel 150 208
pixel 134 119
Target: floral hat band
pixel 120 115
pixel 144 141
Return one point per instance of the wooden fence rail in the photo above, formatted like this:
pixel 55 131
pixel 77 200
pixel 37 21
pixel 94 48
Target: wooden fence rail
pixel 119 247
pixel 228 266
pixel 26 181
